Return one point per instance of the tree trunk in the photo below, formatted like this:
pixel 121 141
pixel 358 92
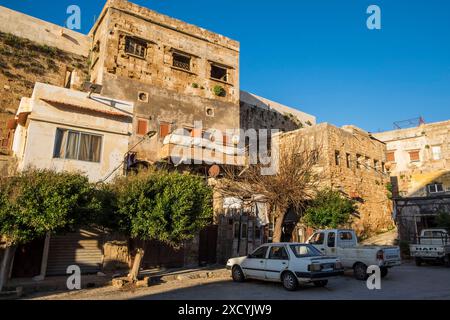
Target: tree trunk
pixel 5 267
pixel 134 273
pixel 278 229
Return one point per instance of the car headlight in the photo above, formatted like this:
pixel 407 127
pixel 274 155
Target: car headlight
pixel 315 267
pixel 338 265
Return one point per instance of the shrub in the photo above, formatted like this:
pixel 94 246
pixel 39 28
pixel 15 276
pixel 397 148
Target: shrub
pixel 219 91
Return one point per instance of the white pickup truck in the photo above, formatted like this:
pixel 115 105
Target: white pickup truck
pixel 433 245
pixel 344 244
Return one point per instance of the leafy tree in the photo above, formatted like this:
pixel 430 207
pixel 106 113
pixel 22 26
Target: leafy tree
pixel 443 220
pixel 158 205
pixel 36 202
pixel 329 209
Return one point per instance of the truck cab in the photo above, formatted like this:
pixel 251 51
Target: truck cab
pixel 343 243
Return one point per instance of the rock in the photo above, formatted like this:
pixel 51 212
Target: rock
pixel 143 283
pixel 118 283
pixel 6 87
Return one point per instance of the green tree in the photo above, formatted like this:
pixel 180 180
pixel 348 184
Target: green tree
pixel 158 205
pixel 329 209
pixel 36 202
pixel 443 220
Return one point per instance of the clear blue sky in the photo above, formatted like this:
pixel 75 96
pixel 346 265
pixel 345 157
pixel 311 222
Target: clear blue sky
pixel 318 55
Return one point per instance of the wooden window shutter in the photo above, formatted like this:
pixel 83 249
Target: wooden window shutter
pixel 225 141
pixel 142 127
pixel 414 156
pixel 164 130
pixel 390 157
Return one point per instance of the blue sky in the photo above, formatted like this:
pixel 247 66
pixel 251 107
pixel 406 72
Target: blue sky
pixel 318 55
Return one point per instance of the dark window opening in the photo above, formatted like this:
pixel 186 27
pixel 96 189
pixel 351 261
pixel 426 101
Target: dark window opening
pixel 337 158
pixel 135 47
pixel 181 61
pixel 219 73
pixel 348 160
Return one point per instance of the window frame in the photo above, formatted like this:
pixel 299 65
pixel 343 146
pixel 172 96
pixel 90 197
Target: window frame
pixel 414 152
pixel 283 248
pixel 79 133
pixel 435 185
pixel 141 42
pixel 182 55
pixel 227 72
pixel 390 152
pixel 433 148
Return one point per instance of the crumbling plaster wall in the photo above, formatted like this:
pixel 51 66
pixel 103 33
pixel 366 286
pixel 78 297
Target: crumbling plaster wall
pixel 412 178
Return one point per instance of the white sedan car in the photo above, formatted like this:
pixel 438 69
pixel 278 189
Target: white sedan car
pixel 288 263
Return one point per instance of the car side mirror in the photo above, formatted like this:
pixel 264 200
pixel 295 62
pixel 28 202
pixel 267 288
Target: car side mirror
pixel 250 256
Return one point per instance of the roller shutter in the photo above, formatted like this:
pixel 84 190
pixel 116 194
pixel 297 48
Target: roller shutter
pixel 83 248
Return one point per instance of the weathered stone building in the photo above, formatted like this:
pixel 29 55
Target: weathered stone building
pixel 173 74
pixel 418 160
pixel 352 161
pixel 176 73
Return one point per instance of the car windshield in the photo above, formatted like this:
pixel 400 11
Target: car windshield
pixel 305 250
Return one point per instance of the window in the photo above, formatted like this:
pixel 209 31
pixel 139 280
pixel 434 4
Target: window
pixel 164 129
pixel 210 112
pixel 414 156
pixel 136 47
pixel 436 188
pixel 368 164
pixel 376 165
pixel 390 156
pixel 219 73
pixel 77 145
pixel 143 96
pixel 181 61
pixel 331 240
pixel 358 161
pixel 345 235
pixel 318 238
pixel 348 159
pixel 257 233
pixel 278 253
pixel 142 127
pixel 244 231
pixel 337 158
pixel 436 151
pixel 236 230
pixel 304 250
pixel 383 167
pixel 68 78
pixel 260 253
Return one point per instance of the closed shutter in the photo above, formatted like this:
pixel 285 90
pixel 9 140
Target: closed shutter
pixel 164 130
pixel 83 248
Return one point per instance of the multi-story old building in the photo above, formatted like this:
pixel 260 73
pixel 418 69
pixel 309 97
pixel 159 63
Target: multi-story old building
pixel 137 74
pixel 418 160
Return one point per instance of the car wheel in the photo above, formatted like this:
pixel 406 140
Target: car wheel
pixel 418 262
pixel 384 272
pixel 237 274
pixel 321 283
pixel 290 281
pixel 360 271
